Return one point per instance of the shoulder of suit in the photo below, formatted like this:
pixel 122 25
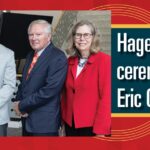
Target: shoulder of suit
pixel 72 57
pixel 58 51
pixel 103 56
pixel 5 51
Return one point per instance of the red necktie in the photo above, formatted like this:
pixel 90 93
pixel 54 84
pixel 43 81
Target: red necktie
pixel 34 60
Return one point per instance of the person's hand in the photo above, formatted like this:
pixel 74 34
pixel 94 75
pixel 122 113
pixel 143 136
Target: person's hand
pixel 16 108
pixel 25 115
pixel 17 111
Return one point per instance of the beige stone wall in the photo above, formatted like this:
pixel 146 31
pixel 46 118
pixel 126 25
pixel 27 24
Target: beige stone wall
pixel 63 20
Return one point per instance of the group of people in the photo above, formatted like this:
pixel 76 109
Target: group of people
pixel 54 91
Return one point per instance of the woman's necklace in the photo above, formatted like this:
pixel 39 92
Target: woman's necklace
pixel 82 62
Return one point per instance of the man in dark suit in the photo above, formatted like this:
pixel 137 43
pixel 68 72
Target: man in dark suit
pixel 38 97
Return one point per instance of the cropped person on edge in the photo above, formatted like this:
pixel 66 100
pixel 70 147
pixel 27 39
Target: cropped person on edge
pixel 7 85
pixel 86 100
pixel 38 97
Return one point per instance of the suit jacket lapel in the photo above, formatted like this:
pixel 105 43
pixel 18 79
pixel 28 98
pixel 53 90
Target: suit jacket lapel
pixel 74 63
pixel 43 57
pixel 89 62
pixel 27 65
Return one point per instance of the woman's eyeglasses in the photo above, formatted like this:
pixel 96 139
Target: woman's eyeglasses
pixel 85 35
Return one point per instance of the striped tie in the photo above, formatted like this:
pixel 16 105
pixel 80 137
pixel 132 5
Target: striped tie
pixel 34 60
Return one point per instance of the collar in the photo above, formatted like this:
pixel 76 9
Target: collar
pixel 39 52
pixel 74 59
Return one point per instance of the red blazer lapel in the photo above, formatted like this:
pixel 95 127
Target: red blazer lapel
pixel 73 61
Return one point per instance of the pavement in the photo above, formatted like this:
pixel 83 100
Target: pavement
pixel 14 128
pixel 14 132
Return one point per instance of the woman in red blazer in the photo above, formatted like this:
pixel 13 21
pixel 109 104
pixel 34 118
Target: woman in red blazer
pixel 86 100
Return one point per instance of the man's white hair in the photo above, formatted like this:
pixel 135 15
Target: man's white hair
pixel 40 21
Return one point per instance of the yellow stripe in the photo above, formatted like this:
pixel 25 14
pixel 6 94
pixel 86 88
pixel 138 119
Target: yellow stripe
pixel 130 26
pixel 130 115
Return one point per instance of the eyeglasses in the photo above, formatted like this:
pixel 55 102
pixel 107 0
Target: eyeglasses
pixel 85 35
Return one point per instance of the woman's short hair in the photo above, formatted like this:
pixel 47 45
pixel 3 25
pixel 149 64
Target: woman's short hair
pixel 95 46
pixel 44 22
